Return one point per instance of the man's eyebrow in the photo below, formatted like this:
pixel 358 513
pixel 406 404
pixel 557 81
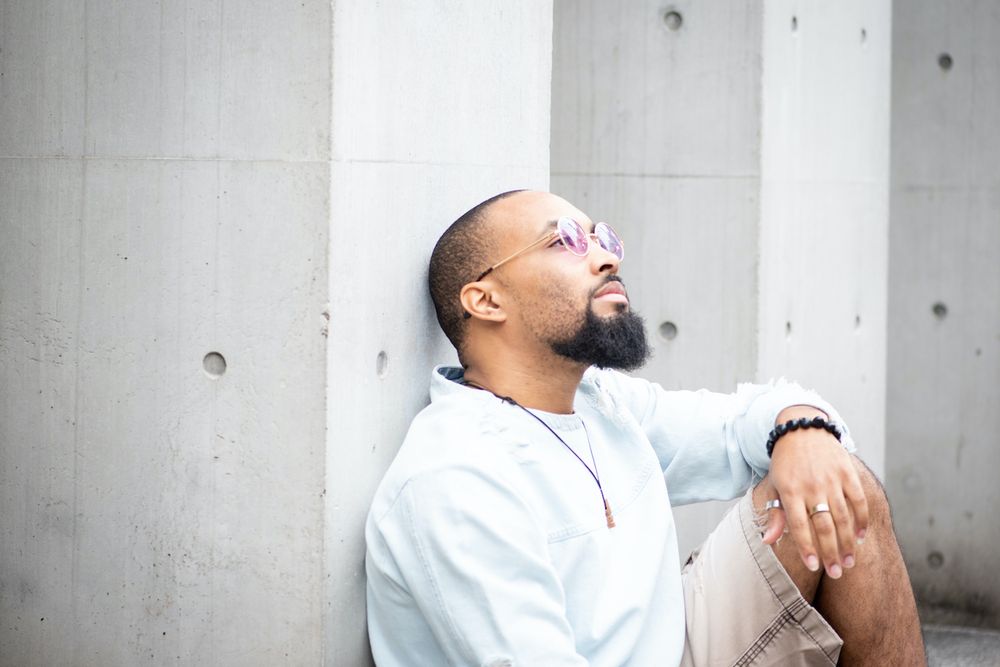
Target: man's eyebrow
pixel 551 225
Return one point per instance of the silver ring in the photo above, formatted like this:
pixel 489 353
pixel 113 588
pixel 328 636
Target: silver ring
pixel 772 504
pixel 817 508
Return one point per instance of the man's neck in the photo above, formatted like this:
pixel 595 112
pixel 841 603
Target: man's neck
pixel 548 386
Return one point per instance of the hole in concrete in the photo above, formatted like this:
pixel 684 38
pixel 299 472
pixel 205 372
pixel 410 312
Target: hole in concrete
pixel 945 61
pixel 668 331
pixel 935 560
pixel 979 352
pixel 788 328
pixel 857 321
pixel 673 19
pixel 214 365
pixel 864 35
pixel 382 364
pixel 940 310
pixel 795 23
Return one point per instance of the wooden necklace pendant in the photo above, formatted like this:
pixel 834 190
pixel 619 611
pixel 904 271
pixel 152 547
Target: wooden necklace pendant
pixel 608 515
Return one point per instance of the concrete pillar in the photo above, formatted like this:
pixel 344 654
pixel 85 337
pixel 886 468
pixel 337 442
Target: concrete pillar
pixel 944 305
pixel 214 329
pixel 741 148
pixel 164 179
pixel 437 106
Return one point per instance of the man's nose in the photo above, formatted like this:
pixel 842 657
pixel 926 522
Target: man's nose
pixel 601 260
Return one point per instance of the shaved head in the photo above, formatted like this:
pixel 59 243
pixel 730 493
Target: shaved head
pixel 465 249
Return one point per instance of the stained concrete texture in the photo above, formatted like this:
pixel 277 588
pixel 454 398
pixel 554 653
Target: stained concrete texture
pixel 823 261
pixel 944 305
pixel 741 150
pixel 952 646
pixel 215 219
pixel 436 107
pixel 153 221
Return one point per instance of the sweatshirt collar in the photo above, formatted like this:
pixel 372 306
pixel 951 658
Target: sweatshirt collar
pixel 446 382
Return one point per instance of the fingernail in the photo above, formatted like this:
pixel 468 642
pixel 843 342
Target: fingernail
pixel 861 536
pixel 812 563
pixel 848 561
pixel 835 571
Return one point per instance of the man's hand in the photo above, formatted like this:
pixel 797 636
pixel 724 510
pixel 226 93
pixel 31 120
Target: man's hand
pixel 809 467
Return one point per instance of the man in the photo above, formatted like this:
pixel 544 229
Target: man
pixel 526 519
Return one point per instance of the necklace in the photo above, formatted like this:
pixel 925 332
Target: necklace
pixel 593 471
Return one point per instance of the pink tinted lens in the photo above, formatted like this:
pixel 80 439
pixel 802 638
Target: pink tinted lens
pixel 573 236
pixel 609 240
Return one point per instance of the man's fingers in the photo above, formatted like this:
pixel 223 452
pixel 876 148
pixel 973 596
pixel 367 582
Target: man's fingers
pixel 844 521
pixel 802 533
pixel 859 505
pixel 826 536
pixel 775 525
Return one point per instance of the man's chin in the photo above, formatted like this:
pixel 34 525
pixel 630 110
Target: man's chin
pixel 613 340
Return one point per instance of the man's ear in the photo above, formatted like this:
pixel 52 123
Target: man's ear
pixel 480 300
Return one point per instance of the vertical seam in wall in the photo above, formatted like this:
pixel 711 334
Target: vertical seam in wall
pixel 75 557
pixel 548 92
pixel 887 239
pixel 159 86
pixel 212 644
pixel 759 222
pixel 327 609
pixel 75 568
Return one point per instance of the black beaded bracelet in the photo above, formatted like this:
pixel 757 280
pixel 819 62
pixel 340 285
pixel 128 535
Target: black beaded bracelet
pixel 796 424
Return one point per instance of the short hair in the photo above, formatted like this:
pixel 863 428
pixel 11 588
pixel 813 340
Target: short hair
pixel 464 251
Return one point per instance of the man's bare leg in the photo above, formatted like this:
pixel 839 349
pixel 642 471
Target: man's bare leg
pixel 871 606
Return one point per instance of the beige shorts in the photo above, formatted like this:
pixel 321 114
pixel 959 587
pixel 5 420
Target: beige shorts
pixel 742 607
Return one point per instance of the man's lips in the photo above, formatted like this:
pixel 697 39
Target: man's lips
pixel 614 291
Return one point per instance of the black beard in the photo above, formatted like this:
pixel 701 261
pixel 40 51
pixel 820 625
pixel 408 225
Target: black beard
pixel 617 341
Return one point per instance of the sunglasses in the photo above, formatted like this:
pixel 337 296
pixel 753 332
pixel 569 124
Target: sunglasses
pixel 574 238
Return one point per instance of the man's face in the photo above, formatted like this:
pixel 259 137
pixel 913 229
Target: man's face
pixel 577 306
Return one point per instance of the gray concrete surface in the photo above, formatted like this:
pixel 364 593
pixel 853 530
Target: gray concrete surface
pixel 246 179
pixel 944 305
pixel 436 107
pixel 951 646
pixel 742 150
pixel 151 213
pixel 182 179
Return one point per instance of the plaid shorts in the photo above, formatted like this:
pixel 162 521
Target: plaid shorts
pixel 743 608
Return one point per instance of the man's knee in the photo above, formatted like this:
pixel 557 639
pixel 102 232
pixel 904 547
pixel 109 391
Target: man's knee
pixel 878 503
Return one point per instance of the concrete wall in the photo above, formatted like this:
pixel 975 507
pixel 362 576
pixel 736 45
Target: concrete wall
pixel 745 163
pixel 824 221
pixel 261 180
pixel 264 181
pixel 944 305
pixel 456 111
pixel 153 210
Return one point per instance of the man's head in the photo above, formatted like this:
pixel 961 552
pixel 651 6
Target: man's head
pixel 545 300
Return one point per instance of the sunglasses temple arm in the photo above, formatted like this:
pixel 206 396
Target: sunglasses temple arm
pixel 547 237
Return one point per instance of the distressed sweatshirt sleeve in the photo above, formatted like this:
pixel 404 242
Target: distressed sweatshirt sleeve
pixel 713 446
pixel 475 560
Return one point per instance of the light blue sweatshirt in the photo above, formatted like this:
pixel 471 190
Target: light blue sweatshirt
pixel 487 539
